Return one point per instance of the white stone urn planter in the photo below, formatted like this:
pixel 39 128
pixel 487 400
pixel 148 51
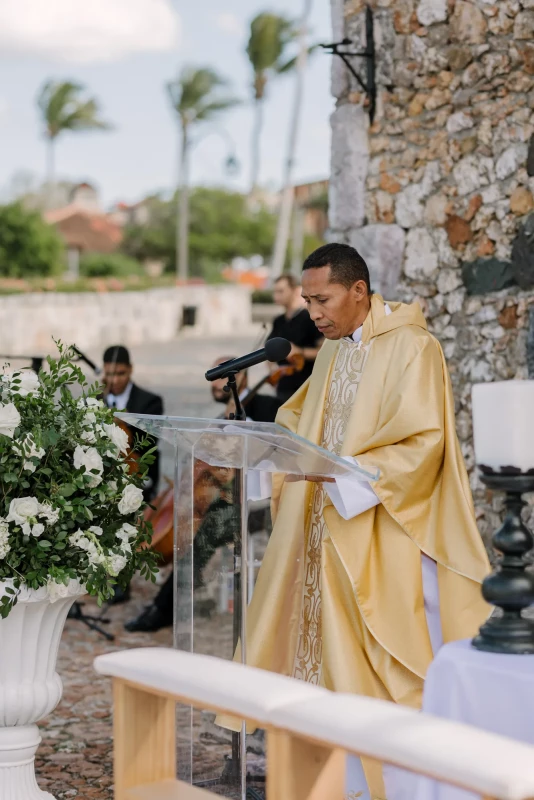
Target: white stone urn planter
pixel 30 687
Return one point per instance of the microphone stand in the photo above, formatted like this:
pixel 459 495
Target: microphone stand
pixel 239 413
pixel 232 770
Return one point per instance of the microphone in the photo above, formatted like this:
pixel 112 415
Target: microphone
pixel 275 350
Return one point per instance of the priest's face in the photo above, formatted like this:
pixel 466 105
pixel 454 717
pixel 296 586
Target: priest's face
pixel 336 310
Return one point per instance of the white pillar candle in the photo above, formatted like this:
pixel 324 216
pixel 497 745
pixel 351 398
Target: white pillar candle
pixel 503 424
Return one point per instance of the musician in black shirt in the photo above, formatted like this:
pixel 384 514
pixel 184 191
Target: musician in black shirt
pixel 296 326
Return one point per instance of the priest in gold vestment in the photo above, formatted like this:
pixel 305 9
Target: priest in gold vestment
pixel 361 583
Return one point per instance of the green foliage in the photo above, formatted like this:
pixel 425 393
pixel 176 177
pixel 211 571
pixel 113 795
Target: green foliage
pixel 221 228
pixel 28 246
pixel 196 95
pixel 100 265
pixel 65 109
pixel 69 509
pixel 262 296
pixel 270 36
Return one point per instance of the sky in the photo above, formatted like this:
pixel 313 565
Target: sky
pixel 124 51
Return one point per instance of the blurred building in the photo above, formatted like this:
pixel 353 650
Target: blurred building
pixel 84 231
pixel 124 214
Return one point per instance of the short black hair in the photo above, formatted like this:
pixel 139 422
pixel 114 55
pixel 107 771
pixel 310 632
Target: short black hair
pixel 117 354
pixel 346 264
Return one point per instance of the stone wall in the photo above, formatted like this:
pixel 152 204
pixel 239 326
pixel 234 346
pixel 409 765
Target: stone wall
pixel 440 194
pixel 29 321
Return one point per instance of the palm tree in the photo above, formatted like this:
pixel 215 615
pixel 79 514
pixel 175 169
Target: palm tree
pixel 270 36
pixel 65 109
pixel 196 97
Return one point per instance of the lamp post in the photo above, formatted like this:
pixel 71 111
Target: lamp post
pixel 503 429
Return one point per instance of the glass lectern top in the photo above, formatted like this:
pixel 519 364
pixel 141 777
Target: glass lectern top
pixel 255 445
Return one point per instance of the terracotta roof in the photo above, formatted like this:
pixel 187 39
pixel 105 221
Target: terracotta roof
pixel 93 233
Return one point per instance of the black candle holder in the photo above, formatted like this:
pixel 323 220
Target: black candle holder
pixel 510 586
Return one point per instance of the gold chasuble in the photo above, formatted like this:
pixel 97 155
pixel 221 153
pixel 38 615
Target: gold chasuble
pixel 340 602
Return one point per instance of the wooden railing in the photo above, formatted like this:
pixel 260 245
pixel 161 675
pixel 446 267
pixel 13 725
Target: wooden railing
pixel 309 731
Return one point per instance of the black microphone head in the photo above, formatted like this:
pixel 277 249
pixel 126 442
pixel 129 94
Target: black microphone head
pixel 277 349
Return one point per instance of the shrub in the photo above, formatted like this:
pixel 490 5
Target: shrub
pixel 262 296
pixel 29 247
pixel 109 265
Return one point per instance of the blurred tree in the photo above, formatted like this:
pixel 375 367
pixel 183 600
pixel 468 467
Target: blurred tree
pixel 221 228
pixel 29 247
pixel 108 265
pixel 196 97
pixel 65 109
pixel 270 36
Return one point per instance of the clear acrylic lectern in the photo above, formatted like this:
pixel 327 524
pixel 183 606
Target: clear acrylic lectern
pixel 217 463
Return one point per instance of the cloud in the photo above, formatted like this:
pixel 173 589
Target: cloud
pixel 229 23
pixel 85 31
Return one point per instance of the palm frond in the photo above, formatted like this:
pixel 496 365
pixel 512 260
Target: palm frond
pixel 289 65
pixel 270 35
pixel 214 107
pixel 63 108
pixel 195 94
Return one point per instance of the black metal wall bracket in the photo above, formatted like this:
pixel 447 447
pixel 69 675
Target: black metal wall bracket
pixel 369 85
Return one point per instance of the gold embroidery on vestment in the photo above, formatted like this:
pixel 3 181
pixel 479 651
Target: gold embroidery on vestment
pixel 345 378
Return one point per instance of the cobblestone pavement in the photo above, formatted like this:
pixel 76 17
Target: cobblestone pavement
pixel 75 757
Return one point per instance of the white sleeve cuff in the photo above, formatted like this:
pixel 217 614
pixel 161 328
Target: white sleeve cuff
pixel 350 496
pixel 259 485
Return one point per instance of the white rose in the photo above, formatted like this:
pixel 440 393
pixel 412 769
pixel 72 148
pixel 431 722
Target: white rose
pixel 89 402
pixel 56 591
pixel 22 509
pixel 9 419
pixel 118 436
pixel 116 563
pixel 126 532
pixel 28 448
pixel 38 529
pixel 90 418
pixel 96 530
pixel 96 557
pixel 131 499
pixel 88 436
pixel 89 459
pixel 79 539
pixel 27 382
pixel 51 515
pixel 76 537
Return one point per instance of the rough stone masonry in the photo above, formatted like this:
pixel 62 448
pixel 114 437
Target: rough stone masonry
pixel 438 193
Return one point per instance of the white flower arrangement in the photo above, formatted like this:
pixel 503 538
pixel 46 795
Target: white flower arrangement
pixel 71 508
